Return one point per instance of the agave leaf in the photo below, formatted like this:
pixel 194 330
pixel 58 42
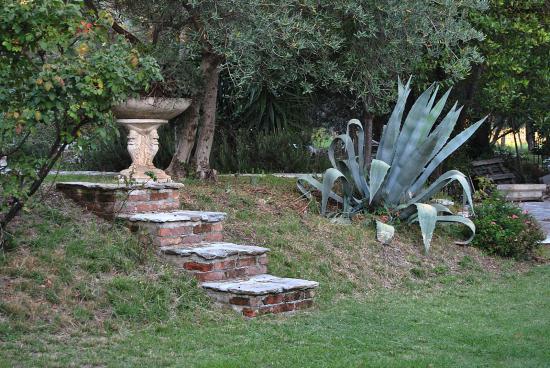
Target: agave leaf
pixel 441 208
pixel 411 168
pixel 436 111
pixel 360 140
pixel 449 148
pixel 442 181
pixel 378 171
pixel 463 220
pixel 330 177
pixel 427 217
pixel 413 134
pixel 354 171
pixel 384 232
pixel 310 180
pixel 387 145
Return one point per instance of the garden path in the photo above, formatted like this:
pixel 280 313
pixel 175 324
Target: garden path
pixel 540 211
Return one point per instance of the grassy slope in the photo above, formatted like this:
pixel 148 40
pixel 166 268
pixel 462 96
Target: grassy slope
pixel 85 292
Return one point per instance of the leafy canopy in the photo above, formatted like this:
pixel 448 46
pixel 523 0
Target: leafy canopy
pixel 60 73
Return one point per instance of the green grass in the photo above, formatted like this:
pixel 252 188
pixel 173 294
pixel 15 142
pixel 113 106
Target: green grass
pixel 500 323
pixel 79 291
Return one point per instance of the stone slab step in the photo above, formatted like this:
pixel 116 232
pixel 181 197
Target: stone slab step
pixel 263 294
pixel 176 216
pixel 218 261
pixel 210 251
pixel 177 228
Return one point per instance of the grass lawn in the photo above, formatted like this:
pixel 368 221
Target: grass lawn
pixel 79 291
pixel 497 323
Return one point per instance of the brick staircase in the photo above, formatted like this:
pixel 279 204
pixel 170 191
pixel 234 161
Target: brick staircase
pixel 233 275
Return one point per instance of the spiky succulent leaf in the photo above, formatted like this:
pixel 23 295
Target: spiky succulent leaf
pixel 304 180
pixel 462 220
pixel 387 145
pixel 427 217
pixel 440 183
pixel 447 150
pixel 378 170
pixel 329 179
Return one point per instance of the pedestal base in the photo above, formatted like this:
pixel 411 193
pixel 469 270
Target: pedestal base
pixel 144 175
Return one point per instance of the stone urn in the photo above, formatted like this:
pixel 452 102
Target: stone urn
pixel 142 117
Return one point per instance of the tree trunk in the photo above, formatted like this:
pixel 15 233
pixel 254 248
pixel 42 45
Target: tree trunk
pixel 368 118
pixel 186 131
pixel 530 136
pixel 208 126
pixel 368 121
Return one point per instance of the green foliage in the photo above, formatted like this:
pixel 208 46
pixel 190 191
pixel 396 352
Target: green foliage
pixel 407 155
pixel 246 151
pixel 60 73
pixel 515 77
pixel 503 229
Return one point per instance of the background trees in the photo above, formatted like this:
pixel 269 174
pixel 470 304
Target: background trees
pixel 513 82
pixel 60 73
pixel 268 51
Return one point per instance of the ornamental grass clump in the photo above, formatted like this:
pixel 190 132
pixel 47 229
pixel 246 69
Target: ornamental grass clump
pixel 396 181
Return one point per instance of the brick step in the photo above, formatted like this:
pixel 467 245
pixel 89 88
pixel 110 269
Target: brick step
pixel 219 261
pixel 108 200
pixel 177 228
pixel 263 294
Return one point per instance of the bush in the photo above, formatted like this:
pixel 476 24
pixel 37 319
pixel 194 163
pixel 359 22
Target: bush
pixel 503 229
pixel 245 151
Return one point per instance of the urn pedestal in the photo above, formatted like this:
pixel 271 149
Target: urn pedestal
pixel 142 117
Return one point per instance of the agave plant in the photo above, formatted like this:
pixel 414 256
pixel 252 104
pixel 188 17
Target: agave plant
pixel 397 180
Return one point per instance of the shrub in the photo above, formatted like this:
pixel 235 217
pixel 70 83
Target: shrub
pixel 61 70
pixel 246 151
pixel 502 228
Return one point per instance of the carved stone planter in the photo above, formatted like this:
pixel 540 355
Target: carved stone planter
pixel 142 117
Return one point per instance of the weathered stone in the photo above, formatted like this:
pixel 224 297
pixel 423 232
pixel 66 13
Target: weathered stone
pixel 176 216
pixel 216 250
pixel 260 285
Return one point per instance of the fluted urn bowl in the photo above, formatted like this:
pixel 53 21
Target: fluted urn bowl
pixel 142 117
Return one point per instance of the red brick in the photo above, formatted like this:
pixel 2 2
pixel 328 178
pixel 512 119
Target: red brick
pixel 138 197
pixel 190 239
pixel 195 266
pixel 212 237
pixel 246 261
pixel 161 242
pixel 235 273
pixel 248 312
pixel 277 308
pixel 309 294
pixel 256 270
pixel 224 265
pixel 175 231
pixel 239 300
pixel 273 299
pixel 262 259
pixel 293 296
pixel 147 207
pixel 156 196
pixel 202 228
pixel 209 276
pixel 218 226
pixel 303 304
pixel 105 197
